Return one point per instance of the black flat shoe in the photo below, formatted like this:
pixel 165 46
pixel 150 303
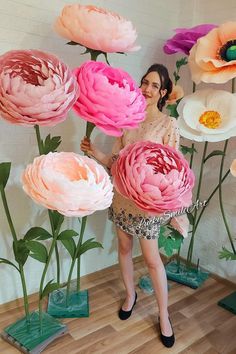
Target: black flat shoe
pixel 169 341
pixel 124 315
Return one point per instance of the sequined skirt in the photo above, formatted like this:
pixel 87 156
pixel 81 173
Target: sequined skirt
pixel 133 220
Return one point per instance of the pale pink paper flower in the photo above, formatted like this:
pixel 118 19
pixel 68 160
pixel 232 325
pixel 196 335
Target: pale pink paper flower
pixel 176 94
pixel 35 88
pixel 72 184
pixel 96 28
pixel 181 224
pixel 155 177
pixel 233 168
pixel 109 98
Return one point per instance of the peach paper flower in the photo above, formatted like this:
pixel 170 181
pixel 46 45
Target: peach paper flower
pixel 155 177
pixel 176 94
pixel 109 98
pixel 213 58
pixel 72 184
pixel 35 88
pixel 208 115
pixel 96 28
pixel 233 168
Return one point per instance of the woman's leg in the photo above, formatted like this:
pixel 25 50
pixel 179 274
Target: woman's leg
pixel 125 246
pixel 159 281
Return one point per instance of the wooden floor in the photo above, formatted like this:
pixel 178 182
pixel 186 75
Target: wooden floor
pixel 200 325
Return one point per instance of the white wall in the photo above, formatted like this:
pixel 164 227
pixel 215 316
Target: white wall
pixel 28 24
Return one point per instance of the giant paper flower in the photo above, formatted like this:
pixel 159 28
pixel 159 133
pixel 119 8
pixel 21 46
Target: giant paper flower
pixel 35 88
pixel 72 184
pixel 185 38
pixel 176 94
pixel 155 177
pixel 233 168
pixel 96 28
pixel 208 115
pixel 213 58
pixel 109 98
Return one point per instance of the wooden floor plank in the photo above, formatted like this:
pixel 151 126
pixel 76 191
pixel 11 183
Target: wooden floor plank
pixel 201 327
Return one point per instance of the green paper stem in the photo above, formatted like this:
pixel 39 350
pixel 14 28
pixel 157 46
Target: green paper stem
pixel 14 236
pixel 55 235
pixel 209 198
pixel 190 249
pixel 193 145
pixel 82 229
pixel 56 249
pixel 39 140
pixel 221 198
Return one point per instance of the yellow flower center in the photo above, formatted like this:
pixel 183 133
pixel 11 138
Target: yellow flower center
pixel 210 119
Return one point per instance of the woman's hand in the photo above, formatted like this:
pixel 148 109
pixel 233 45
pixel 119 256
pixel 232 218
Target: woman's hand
pixel 87 147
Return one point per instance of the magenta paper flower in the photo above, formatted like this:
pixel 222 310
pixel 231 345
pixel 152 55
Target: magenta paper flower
pixel 109 98
pixel 185 38
pixel 96 28
pixel 35 88
pixel 155 177
pixel 72 184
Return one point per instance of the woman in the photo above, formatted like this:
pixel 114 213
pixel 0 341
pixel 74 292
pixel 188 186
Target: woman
pixel 160 128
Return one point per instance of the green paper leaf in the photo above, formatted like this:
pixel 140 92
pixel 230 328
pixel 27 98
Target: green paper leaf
pixel 88 245
pixel 4 260
pixel 21 251
pixel 214 153
pixel 37 233
pixel 190 218
pixel 5 168
pixel 65 235
pixel 57 218
pixel 69 244
pixel 181 62
pixel 227 255
pixel 51 144
pixel 172 108
pixel 49 288
pixel 171 241
pixel 187 150
pixel 73 43
pixel 38 250
pixel 176 77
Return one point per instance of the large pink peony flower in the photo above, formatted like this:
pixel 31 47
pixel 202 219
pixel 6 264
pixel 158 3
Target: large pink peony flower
pixel 109 98
pixel 35 88
pixel 96 28
pixel 155 177
pixel 72 184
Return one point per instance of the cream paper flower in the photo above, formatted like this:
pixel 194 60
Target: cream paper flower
pixel 208 115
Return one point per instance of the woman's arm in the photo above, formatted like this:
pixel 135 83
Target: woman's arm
pixel 87 147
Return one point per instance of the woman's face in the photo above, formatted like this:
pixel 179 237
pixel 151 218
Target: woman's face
pixel 150 87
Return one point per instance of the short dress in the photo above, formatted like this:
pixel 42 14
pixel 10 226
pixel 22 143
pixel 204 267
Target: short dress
pixel 123 212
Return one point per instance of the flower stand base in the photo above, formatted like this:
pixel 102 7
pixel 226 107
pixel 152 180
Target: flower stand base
pixel 145 284
pixel 191 277
pixel 28 338
pixel 229 303
pixel 78 304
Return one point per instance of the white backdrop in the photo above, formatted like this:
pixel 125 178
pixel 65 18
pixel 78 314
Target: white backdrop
pixel 27 24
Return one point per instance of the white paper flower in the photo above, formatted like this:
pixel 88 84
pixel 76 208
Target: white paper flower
pixel 208 115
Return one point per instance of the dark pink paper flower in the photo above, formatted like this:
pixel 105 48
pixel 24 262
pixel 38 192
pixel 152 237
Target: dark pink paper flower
pixel 156 177
pixel 185 38
pixel 35 88
pixel 109 98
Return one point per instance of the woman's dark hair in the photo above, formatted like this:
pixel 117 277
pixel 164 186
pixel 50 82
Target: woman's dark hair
pixel 166 83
